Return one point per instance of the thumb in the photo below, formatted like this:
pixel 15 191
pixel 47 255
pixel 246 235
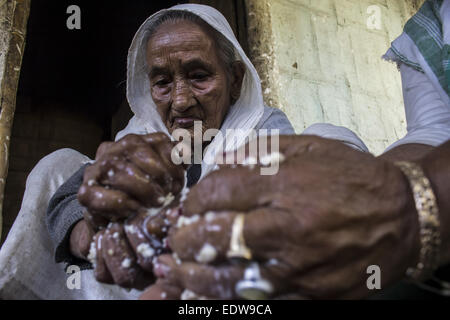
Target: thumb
pixel 234 189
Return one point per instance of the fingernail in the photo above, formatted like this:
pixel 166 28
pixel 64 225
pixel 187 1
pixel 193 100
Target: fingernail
pixel 161 270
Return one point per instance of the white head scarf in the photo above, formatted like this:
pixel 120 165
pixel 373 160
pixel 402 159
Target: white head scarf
pixel 244 114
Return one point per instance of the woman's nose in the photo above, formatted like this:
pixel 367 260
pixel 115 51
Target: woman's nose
pixel 183 97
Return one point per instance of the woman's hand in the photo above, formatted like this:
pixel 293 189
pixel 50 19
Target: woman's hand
pixel 123 253
pixel 80 239
pixel 133 173
pixel 314 228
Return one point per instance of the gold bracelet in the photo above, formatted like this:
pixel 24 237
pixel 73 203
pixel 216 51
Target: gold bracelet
pixel 428 214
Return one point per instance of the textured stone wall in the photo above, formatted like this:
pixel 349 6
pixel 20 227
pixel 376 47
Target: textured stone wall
pixel 320 61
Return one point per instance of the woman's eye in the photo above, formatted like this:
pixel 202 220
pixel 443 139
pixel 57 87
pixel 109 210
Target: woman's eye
pixel 162 82
pixel 199 76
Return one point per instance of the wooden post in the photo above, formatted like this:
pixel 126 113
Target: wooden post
pixel 261 42
pixel 13 24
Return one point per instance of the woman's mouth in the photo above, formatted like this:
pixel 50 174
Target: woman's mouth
pixel 185 122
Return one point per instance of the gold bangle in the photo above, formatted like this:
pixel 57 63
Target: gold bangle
pixel 428 214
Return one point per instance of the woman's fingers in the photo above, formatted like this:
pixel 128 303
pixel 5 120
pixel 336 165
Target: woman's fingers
pixel 146 159
pixel 207 281
pixel 169 176
pixel 133 167
pixel 120 259
pixel 111 149
pixel 115 262
pixel 101 271
pixel 128 174
pixel 202 239
pixel 143 251
pixel 162 290
pixel 235 189
pixel 111 204
pixel 161 146
pixel 120 175
pixel 157 137
pixel 165 152
pixel 118 256
pixel 206 239
pixel 204 280
pixel 145 245
pixel 128 178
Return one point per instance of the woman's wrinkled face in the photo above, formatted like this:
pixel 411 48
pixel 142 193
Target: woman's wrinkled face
pixel 188 81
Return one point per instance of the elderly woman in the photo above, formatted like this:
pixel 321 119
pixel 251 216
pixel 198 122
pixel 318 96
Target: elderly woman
pixel 182 70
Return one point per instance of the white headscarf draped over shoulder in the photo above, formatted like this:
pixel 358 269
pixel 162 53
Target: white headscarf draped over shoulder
pixel 244 114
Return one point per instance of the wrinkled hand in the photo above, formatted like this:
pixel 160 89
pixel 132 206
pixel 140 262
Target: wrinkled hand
pixel 123 253
pixel 132 173
pixel 127 178
pixel 315 227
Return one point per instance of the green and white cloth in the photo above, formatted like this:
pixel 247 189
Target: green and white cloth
pixel 425 43
pixel 422 53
